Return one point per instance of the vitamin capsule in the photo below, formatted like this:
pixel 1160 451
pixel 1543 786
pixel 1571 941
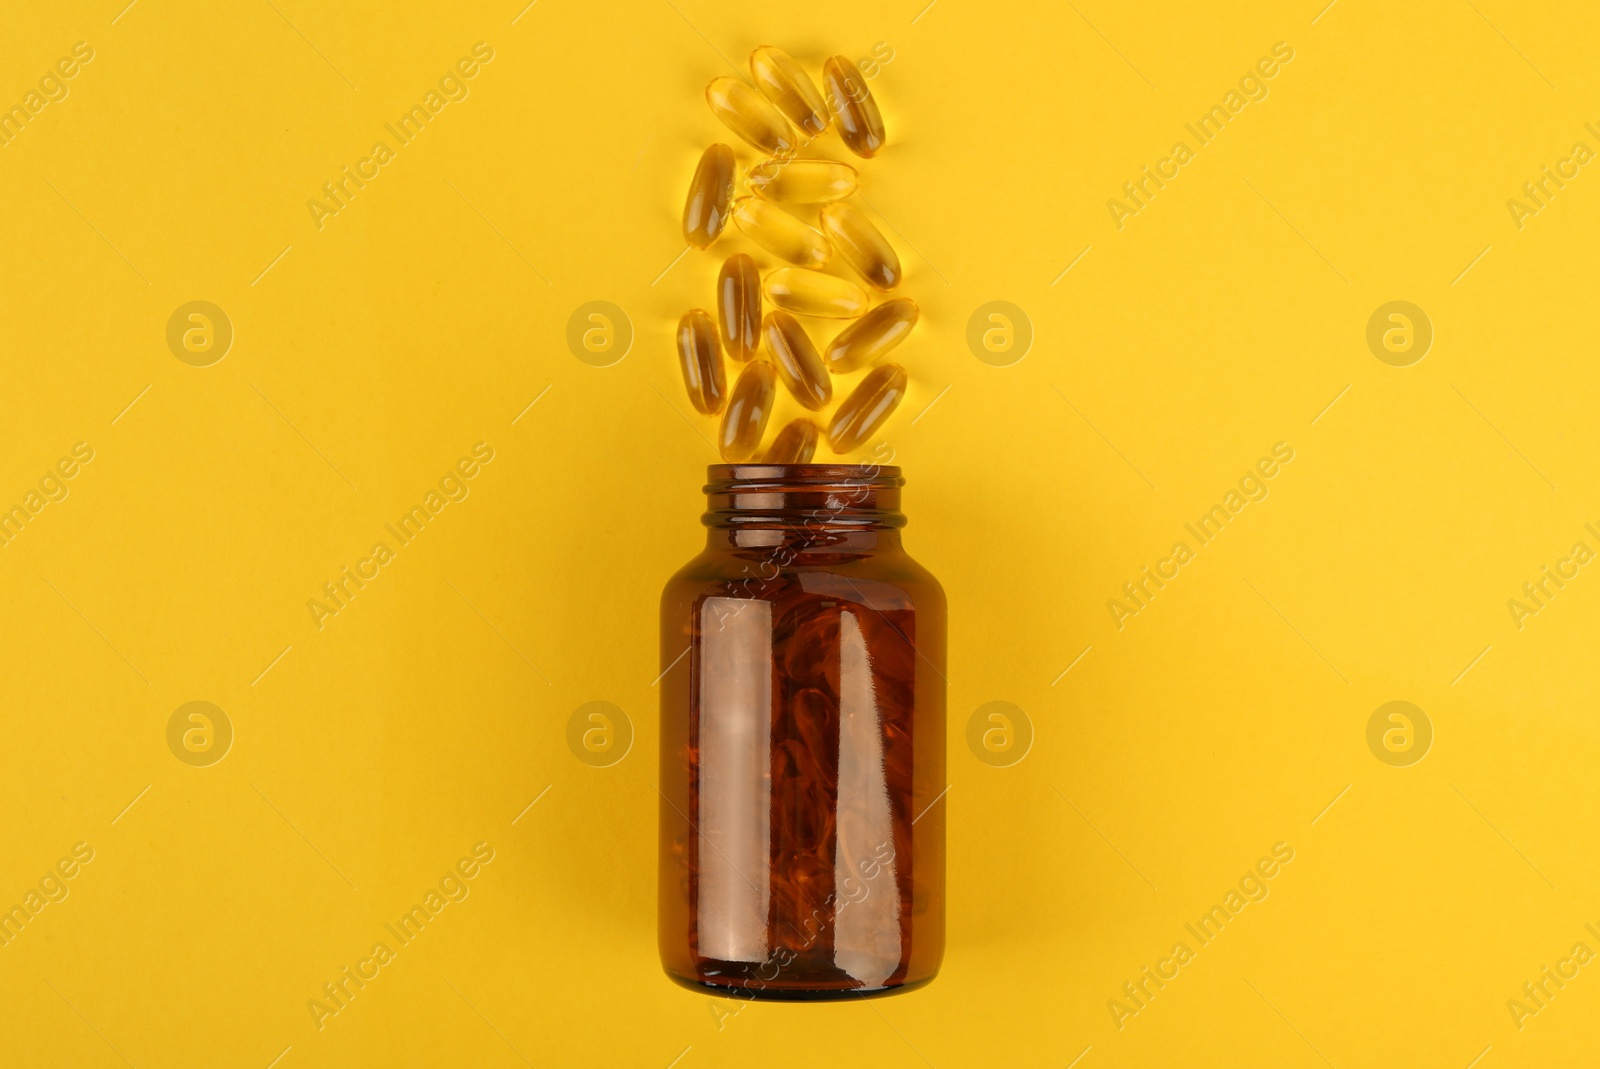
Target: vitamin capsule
pixel 812 293
pixel 739 307
pixel 701 360
pixel 868 338
pixel 860 124
pixel 795 444
pixel 862 245
pixel 799 366
pixel 861 414
pixel 705 213
pixel 803 181
pixel 750 115
pixel 780 233
pixel 749 407
pixel 786 83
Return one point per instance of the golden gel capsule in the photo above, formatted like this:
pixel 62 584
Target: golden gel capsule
pixel 750 115
pixel 780 233
pixel 803 181
pixel 812 293
pixel 739 306
pixel 860 124
pixel 784 82
pixel 861 414
pixel 701 360
pixel 749 407
pixel 874 334
pixel 795 444
pixel 705 213
pixel 799 366
pixel 862 245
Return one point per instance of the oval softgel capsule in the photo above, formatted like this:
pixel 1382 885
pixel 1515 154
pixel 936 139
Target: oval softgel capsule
pixel 739 307
pixel 750 115
pixel 869 338
pixel 783 81
pixel 813 293
pixel 847 96
pixel 803 181
pixel 796 359
pixel 700 359
pixel 749 408
pixel 867 408
pixel 795 444
pixel 705 211
pixel 861 244
pixel 780 233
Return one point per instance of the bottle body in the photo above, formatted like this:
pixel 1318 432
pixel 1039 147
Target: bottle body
pixel 802 742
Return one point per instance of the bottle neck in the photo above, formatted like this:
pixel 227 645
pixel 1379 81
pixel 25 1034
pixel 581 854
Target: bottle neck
pixel 801 508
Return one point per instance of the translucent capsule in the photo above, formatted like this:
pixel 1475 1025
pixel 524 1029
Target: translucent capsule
pixel 739 307
pixel 749 408
pixel 795 444
pixel 851 102
pixel 784 82
pixel 862 245
pixel 803 181
pixel 780 233
pixel 750 115
pixel 705 213
pixel 861 414
pixel 799 366
pixel 701 359
pixel 867 339
pixel 812 293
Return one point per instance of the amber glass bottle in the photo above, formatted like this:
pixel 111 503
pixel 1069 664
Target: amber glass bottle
pixel 802 742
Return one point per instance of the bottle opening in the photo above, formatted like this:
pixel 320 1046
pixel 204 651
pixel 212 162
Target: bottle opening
pixel 819 496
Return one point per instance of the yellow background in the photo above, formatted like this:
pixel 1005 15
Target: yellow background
pixel 1225 317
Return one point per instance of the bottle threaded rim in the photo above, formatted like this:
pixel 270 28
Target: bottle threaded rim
pixel 815 496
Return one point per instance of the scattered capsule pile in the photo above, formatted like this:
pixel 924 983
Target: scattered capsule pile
pixel 781 114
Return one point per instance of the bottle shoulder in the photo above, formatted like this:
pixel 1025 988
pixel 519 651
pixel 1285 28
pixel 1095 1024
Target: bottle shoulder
pixel 882 578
